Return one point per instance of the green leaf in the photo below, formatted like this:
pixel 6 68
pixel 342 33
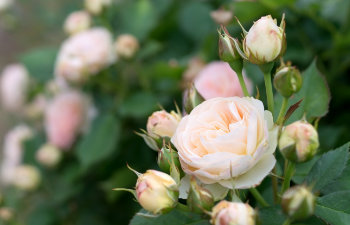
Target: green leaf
pixel 175 217
pixel 303 169
pixel 334 208
pixel 328 167
pixel 40 63
pixel 342 183
pixel 194 19
pixel 271 216
pixel 138 105
pixel 100 142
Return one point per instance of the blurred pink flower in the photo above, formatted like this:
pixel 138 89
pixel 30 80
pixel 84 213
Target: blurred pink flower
pixel 76 22
pixel 85 54
pixel 65 118
pixel 217 79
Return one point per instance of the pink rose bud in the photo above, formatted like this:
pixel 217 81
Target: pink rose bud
pixel 96 7
pixel 78 58
pixel 77 22
pixel 298 202
pixel 48 155
pixel 26 178
pixel 126 46
pixel 162 124
pixel 237 213
pixel 217 79
pixel 265 41
pixel 14 87
pixel 221 16
pixel 156 191
pixel 299 141
pixel 65 117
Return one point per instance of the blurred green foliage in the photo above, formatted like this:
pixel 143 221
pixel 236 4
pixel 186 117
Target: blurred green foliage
pixel 171 32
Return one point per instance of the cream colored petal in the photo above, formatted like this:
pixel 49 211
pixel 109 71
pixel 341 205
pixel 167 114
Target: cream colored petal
pixel 184 187
pixel 219 192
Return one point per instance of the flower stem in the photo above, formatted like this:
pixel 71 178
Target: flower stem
pixel 241 81
pixel 258 197
pixel 269 93
pixel 280 117
pixel 274 186
pixel 288 173
pixel 182 207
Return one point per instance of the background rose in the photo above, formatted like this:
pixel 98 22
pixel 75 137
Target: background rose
pixel 217 79
pixel 229 141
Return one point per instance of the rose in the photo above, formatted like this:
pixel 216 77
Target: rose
pixel 15 83
pixel 217 79
pixel 76 22
pixel 65 117
pixel 79 58
pixel 156 191
pixel 229 141
pixel 126 46
pixel 264 41
pixel 162 124
pixel 227 213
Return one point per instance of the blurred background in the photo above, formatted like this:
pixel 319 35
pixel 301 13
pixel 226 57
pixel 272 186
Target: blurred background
pixel 175 36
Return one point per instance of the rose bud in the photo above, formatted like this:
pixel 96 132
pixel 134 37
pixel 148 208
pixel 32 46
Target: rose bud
pixel 48 155
pixel 199 199
pixel 14 87
pixel 288 81
pixel 77 22
pixel 191 99
pixel 237 213
pixel 126 46
pixel 65 118
pixel 162 124
pixel 78 59
pixel 298 141
pixel 265 41
pixel 227 49
pixel 96 7
pixel 222 16
pixel 217 79
pixel 298 202
pixel 26 178
pixel 156 191
pixel 167 156
pixel 6 214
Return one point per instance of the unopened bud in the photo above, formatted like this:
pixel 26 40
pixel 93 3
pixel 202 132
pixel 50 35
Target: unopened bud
pixel 227 50
pixel 26 178
pixel 288 81
pixel 298 202
pixel 96 7
pixel 162 124
pixel 298 141
pixel 126 46
pixel 199 199
pixel 191 99
pixel 167 156
pixel 157 192
pixel 237 213
pixel 77 22
pixel 48 155
pixel 265 41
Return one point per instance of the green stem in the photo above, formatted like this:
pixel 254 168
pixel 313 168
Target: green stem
pixel 269 93
pixel 241 81
pixel 182 207
pixel 287 222
pixel 280 117
pixel 258 197
pixel 274 186
pixel 288 173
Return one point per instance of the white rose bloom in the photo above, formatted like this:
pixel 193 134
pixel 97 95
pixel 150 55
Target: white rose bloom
pixel 15 83
pixel 77 22
pixel 85 54
pixel 227 141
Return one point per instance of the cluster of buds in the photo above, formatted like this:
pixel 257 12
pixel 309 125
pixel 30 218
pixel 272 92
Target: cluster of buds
pixel 227 213
pixel 298 141
pixel 298 202
pixel 287 80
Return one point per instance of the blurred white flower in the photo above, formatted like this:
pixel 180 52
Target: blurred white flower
pixel 26 178
pixel 15 83
pixel 48 155
pixel 96 6
pixel 85 54
pixel 5 4
pixel 126 46
pixel 65 117
pixel 12 151
pixel 221 16
pixel 76 22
